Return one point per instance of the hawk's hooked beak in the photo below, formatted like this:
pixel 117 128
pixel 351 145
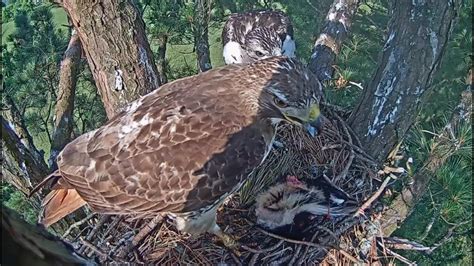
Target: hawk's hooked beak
pixel 313 123
pixel 277 53
pixel 310 119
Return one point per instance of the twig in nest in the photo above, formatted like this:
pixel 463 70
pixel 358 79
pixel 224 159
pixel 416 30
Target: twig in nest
pixel 281 251
pixel 332 146
pixel 365 156
pixel 121 242
pixel 254 259
pixel 262 250
pixel 77 224
pixel 103 219
pixel 330 233
pixel 98 251
pixel 300 260
pixel 94 248
pixel 350 257
pixel 295 241
pixel 372 198
pixel 295 255
pixel 349 139
pixel 145 231
pixel 112 225
pixel 234 257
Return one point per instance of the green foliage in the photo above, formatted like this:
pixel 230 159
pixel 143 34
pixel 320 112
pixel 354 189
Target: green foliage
pixel 449 199
pixel 31 57
pixel 14 199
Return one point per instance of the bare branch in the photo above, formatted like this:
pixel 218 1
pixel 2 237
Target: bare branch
pixel 202 15
pixel 30 164
pixel 63 124
pixel 334 32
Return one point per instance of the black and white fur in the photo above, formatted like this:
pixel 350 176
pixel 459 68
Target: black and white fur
pixel 288 210
pixel 256 35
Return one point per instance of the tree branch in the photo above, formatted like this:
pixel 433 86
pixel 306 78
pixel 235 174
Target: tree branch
pixel 202 11
pixel 63 124
pixel 32 168
pixel 335 31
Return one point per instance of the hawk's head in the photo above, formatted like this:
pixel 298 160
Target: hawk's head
pixel 291 93
pixel 261 43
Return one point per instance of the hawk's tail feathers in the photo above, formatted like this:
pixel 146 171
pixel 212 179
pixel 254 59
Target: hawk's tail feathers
pixel 59 203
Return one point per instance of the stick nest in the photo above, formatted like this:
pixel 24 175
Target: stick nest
pixel 336 151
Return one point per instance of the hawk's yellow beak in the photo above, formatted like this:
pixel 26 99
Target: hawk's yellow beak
pixel 313 124
pixel 314 112
pixel 310 118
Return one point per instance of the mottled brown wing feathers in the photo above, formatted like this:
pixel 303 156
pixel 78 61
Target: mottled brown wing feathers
pixel 177 149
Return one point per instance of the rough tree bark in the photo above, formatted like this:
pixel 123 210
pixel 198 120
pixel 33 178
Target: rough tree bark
pixel 202 15
pixel 161 58
pixel 63 124
pixel 26 244
pixel 335 31
pixel 444 145
pixel 32 168
pixel 417 38
pixel 12 114
pixel 113 37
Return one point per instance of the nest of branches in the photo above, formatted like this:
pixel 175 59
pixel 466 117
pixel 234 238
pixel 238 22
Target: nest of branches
pixel 336 152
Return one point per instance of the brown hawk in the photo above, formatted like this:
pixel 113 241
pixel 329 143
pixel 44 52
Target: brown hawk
pixel 183 149
pixel 256 35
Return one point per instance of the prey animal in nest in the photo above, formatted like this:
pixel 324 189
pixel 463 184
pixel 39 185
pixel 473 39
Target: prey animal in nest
pixel 293 207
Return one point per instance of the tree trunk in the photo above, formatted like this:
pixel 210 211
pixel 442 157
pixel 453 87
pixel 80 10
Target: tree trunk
pixel 417 38
pixel 31 167
pixel 335 31
pixel 202 15
pixel 161 57
pixel 113 37
pixel 444 145
pixel 63 124
pixel 26 244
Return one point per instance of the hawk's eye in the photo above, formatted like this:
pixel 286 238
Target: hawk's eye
pixel 280 103
pixel 259 54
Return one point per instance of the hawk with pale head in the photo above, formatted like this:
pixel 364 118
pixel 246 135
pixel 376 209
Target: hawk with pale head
pixel 183 149
pixel 256 35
